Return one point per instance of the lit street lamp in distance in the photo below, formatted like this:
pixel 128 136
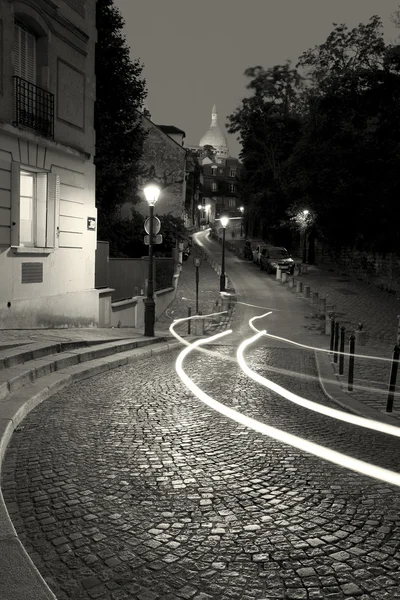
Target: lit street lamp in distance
pixel 241 208
pixel 151 192
pixel 208 209
pixel 224 222
pixel 200 208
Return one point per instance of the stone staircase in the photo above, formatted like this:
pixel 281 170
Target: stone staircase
pixel 30 372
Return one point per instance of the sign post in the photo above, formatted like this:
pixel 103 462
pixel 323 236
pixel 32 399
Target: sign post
pixel 197 263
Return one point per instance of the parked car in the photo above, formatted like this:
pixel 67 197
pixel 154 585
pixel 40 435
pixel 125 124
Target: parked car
pixel 257 252
pixel 247 251
pixel 273 257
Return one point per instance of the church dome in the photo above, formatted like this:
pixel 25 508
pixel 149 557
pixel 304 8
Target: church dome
pixel 214 136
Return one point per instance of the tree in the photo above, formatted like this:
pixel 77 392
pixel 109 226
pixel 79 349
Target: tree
pixel 269 126
pixel 120 92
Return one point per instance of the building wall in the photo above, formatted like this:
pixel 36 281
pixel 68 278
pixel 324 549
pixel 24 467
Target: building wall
pixel 51 283
pixel 169 161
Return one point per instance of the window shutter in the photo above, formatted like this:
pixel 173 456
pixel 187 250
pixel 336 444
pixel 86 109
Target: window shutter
pixel 17 51
pixel 41 204
pixel 53 204
pixel 15 203
pixel 24 54
pixel 30 57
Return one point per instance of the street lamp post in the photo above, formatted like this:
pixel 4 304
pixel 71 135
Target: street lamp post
pixel 241 221
pixel 200 206
pixel 224 223
pixel 151 193
pixel 305 215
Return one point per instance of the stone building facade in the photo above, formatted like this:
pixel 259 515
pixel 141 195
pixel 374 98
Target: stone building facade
pixel 220 173
pixel 47 177
pixel 164 160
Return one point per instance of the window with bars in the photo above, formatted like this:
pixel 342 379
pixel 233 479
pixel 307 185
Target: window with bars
pixel 232 187
pixel 214 186
pixel 34 106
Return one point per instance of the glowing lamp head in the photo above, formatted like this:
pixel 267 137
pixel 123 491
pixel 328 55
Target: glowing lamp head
pixel 224 221
pixel 241 209
pixel 200 206
pixel 151 193
pixel 305 212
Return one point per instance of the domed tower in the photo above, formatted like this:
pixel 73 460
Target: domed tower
pixel 214 136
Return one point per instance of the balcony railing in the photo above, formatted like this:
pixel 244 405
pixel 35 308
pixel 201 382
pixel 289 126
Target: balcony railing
pixel 33 107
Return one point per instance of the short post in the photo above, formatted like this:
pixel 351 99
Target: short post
pixel 341 350
pixel 189 320
pixel 332 334
pixel 284 277
pixel 291 282
pixel 393 376
pixel 351 362
pixel 307 291
pixel 200 324
pixel 299 286
pixel 336 343
pixel 278 273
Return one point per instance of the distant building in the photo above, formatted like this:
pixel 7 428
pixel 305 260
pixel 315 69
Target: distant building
pixel 163 159
pixel 47 177
pixel 220 172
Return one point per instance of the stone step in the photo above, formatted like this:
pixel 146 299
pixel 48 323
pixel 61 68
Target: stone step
pixel 19 579
pixel 20 375
pixel 12 356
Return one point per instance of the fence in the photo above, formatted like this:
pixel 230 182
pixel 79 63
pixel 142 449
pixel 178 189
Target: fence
pixel 102 266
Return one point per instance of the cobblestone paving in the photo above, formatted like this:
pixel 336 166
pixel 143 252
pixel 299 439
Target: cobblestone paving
pixel 128 487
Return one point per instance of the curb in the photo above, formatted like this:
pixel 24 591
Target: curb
pixel 20 579
pixel 336 394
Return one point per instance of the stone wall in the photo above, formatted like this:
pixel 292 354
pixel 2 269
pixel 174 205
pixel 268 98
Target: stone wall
pixel 377 269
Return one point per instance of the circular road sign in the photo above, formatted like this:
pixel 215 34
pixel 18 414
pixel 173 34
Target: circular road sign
pixel 156 225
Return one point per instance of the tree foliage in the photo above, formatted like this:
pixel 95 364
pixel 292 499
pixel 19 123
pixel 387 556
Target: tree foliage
pixel 328 140
pixel 120 92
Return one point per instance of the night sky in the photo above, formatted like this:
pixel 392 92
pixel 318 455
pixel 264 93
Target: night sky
pixel 195 53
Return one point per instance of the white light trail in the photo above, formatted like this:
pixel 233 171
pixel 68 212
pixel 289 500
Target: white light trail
pixel 314 406
pixel 337 458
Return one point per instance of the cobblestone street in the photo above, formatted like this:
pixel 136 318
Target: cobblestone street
pixel 127 487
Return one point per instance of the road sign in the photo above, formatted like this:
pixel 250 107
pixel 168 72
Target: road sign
pixel 197 261
pixel 157 239
pixel 156 225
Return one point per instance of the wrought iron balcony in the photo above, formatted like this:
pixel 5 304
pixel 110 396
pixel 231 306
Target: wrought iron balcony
pixel 33 107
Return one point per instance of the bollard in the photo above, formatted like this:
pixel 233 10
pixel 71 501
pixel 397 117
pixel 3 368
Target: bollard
pixel 332 334
pixel 336 343
pixel 278 273
pixel 315 297
pixel 393 376
pixel 291 282
pixel 284 277
pixel 299 286
pixel 351 362
pixel 307 291
pixel 322 306
pixel 341 350
pixel 189 321
pixel 200 323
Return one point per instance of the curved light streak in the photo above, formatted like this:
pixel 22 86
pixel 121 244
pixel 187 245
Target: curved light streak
pixel 177 321
pixel 333 456
pixel 314 406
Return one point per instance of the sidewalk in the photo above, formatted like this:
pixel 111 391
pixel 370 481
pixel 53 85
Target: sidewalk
pixel 353 302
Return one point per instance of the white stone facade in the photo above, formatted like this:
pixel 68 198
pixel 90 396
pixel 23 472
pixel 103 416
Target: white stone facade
pixel 47 176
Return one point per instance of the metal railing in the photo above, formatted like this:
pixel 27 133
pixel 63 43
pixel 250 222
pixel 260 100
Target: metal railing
pixel 33 107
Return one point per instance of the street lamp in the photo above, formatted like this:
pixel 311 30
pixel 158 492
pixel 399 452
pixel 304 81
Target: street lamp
pixel 200 206
pixel 305 213
pixel 151 193
pixel 208 208
pixel 224 223
pixel 241 221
